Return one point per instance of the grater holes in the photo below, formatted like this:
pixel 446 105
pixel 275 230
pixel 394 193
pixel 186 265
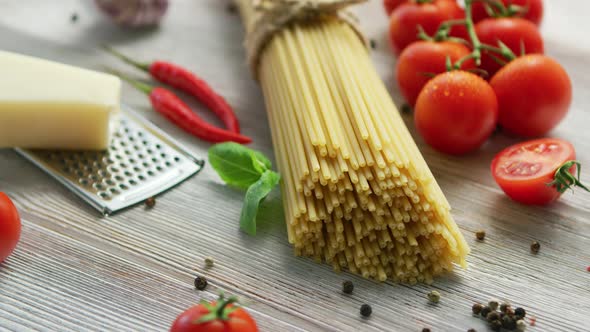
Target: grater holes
pixel 104 195
pixel 137 169
pixel 132 182
pixel 163 155
pixel 140 134
pixel 118 156
pixel 114 191
pixel 80 173
pixel 99 186
pixel 141 177
pixel 127 173
pixel 176 159
pixel 131 160
pixel 118 178
pixel 168 164
pixel 114 170
pixel 127 152
pixel 123 186
pixel 110 182
pixel 154 159
pixel 146 143
pixel 145 164
pixel 151 173
pixel 84 182
pixel 93 177
pixel 158 146
pixel 159 168
pixel 122 143
pixel 137 147
pixel 123 165
pixel 131 138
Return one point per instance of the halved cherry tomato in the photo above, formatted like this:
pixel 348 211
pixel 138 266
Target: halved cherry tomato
pixel 456 112
pixel 516 33
pixel 405 20
pixel 217 316
pixel 420 61
pixel 533 13
pixel 9 227
pixel 527 172
pixel 390 5
pixel 534 93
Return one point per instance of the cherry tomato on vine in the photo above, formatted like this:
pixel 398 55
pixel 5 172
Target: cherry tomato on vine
pixel 534 93
pixel 9 227
pixel 533 10
pixel 537 172
pixel 456 112
pixel 513 32
pixel 391 5
pixel 217 316
pixel 423 59
pixel 405 20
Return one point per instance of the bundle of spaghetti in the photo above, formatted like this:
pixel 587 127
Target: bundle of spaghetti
pixel 357 192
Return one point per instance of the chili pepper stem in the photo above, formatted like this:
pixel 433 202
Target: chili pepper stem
pixel 139 65
pixel 143 87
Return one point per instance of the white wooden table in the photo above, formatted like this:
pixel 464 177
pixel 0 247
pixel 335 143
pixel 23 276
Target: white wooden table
pixel 74 270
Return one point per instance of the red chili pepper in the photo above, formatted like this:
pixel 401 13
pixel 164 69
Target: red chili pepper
pixel 174 109
pixel 184 80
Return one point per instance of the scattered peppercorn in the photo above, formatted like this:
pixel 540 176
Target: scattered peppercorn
pixel 434 296
pixel 150 202
pixel 200 283
pixel 425 329
pixel 493 304
pixel 407 109
pixel 520 325
pixel 496 325
pixel 504 306
pixel 485 311
pixel 480 235
pixel 476 309
pixel 366 310
pixel 373 43
pixel 74 17
pixel 508 323
pixel 471 330
pixel 509 312
pixel 535 247
pixel 520 313
pixel 493 316
pixel 231 8
pixel 209 262
pixel 347 287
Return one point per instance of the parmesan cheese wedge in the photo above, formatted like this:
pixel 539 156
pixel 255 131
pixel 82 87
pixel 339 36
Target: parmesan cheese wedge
pixel 49 105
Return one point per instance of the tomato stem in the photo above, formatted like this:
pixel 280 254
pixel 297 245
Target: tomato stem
pixel 220 310
pixel 564 179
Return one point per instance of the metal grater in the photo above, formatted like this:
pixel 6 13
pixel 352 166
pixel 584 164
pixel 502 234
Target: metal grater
pixel 142 161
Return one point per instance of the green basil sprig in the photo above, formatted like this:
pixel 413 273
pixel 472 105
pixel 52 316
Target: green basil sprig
pixel 248 170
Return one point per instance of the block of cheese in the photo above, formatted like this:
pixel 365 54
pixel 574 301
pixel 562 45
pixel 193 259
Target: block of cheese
pixel 49 105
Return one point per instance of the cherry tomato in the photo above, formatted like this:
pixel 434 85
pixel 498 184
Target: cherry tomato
pixel 456 112
pixel 534 12
pixel 9 227
pixel 534 93
pixel 525 170
pixel 513 32
pixel 217 316
pixel 422 59
pixel 405 20
pixel 390 5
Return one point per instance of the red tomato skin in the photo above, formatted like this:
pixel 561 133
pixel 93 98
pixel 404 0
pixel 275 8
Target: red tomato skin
pixel 532 189
pixel 510 31
pixel 534 13
pixel 239 321
pixel 10 227
pixel 424 57
pixel 391 5
pixel 534 93
pixel 405 19
pixel 456 112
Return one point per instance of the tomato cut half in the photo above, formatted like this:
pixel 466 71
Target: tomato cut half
pixel 526 170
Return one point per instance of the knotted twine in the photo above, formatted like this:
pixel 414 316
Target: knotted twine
pixel 263 18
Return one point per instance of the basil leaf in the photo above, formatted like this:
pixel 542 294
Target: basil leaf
pixel 261 163
pixel 236 164
pixel 255 194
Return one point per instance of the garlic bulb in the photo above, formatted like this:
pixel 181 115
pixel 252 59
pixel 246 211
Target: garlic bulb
pixel 134 13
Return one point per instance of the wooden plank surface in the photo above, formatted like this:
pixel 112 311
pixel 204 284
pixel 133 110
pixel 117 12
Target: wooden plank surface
pixel 75 271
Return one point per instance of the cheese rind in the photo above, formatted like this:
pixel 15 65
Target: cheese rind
pixel 49 105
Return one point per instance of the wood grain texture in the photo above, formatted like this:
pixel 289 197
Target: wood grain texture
pixel 75 271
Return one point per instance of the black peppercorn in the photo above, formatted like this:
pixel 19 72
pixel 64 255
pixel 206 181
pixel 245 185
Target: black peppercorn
pixel 504 306
pixel 471 330
pixel 493 316
pixel 496 325
pixel 150 202
pixel 347 287
pixel 476 309
pixel 74 17
pixel 231 8
pixel 508 323
pixel 425 329
pixel 485 311
pixel 200 283
pixel 406 109
pixel 366 310
pixel 373 43
pixel 535 247
pixel 480 235
pixel 520 312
